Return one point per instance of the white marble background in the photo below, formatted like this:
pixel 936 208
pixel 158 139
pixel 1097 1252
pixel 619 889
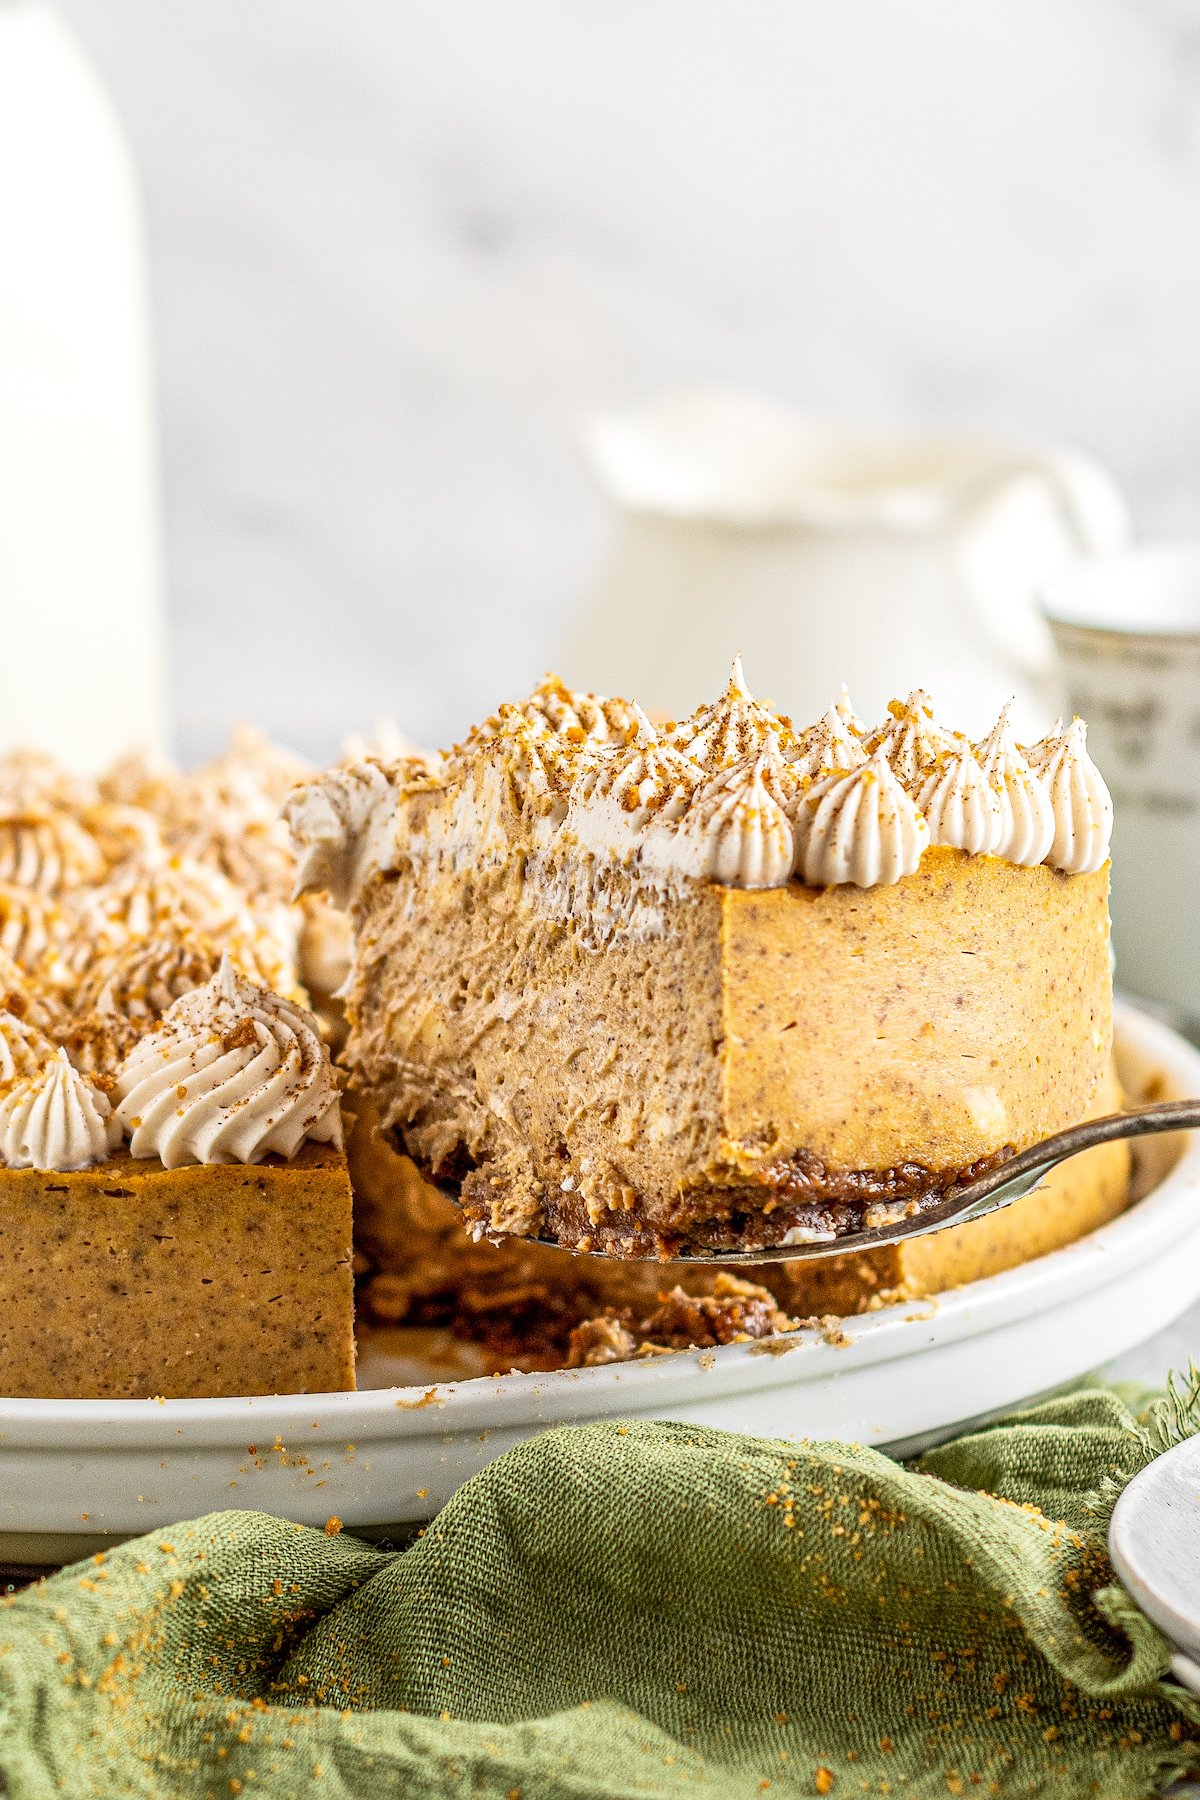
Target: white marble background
pixel 397 248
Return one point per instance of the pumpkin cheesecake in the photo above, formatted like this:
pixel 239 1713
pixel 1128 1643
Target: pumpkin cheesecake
pixel 181 1225
pixel 696 987
pixel 724 983
pixel 175 1206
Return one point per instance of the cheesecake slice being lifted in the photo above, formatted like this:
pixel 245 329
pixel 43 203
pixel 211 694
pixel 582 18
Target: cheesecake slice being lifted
pixel 723 983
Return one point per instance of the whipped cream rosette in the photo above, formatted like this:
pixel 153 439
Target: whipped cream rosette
pixel 24 1048
pixel 142 778
pixel 844 708
pixel 861 828
pixel 121 833
pixel 33 779
pixel 47 850
pixel 1027 812
pixel 255 854
pixel 56 1118
pixel 29 996
pixel 735 727
pixel 827 746
pixel 579 719
pixel 32 928
pixel 148 975
pixel 123 996
pixel 234 1073
pixel 1079 798
pixel 911 738
pixel 619 795
pixel 960 805
pixel 737 831
pixel 532 763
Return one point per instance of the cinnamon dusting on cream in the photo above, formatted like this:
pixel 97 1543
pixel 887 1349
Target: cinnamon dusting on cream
pixel 613 816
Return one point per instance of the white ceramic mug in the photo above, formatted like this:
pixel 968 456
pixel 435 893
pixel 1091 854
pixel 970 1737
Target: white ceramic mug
pixel 1127 631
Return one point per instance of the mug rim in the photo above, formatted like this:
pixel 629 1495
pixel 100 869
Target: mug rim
pixel 1164 634
pixel 1059 598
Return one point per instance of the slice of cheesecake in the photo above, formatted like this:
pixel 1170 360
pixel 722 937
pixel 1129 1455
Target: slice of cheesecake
pixel 721 984
pixel 209 1254
pixel 129 1280
pixel 523 1304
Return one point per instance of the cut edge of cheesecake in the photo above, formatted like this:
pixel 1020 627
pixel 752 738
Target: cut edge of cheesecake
pixel 128 1280
pixel 773 1066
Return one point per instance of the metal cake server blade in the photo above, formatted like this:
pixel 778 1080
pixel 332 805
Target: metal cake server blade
pixel 1010 1181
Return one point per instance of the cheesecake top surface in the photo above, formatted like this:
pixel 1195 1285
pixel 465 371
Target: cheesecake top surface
pixel 736 794
pixel 152 997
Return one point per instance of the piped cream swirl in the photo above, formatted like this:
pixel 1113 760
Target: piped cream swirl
pixel 736 831
pixel 736 727
pixel 844 708
pixel 826 747
pixel 584 718
pixel 124 996
pixel 623 793
pixel 122 833
pixel 146 978
pixel 57 1119
pixel 861 828
pixel 960 806
pixel 1028 816
pixel 24 1048
pixel 911 738
pixel 534 763
pixel 580 720
pixel 47 850
pixel 1081 803
pixel 31 928
pixel 32 778
pixel 234 1073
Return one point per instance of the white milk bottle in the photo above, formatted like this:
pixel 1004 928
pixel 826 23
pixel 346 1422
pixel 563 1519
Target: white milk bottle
pixel 81 633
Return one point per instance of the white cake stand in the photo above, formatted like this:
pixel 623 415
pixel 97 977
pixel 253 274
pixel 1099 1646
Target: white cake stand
pixel 75 1474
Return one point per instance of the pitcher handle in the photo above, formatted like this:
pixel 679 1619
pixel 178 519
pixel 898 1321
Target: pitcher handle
pixel 1093 518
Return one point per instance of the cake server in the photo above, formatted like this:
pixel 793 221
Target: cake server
pixel 1010 1181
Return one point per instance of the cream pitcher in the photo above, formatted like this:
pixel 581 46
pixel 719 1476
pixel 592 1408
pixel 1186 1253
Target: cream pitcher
pixel 827 554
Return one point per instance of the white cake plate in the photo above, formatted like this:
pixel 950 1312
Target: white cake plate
pixel 76 1474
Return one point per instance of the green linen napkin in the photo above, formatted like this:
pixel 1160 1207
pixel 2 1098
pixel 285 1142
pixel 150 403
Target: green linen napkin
pixel 620 1610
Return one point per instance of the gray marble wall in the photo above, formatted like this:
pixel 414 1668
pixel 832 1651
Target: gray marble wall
pixel 398 247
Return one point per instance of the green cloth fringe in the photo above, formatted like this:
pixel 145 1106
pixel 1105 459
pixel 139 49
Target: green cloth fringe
pixel 634 1610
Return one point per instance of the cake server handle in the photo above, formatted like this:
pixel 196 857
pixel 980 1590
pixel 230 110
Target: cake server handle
pixel 1009 1181
pixel 1022 1171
